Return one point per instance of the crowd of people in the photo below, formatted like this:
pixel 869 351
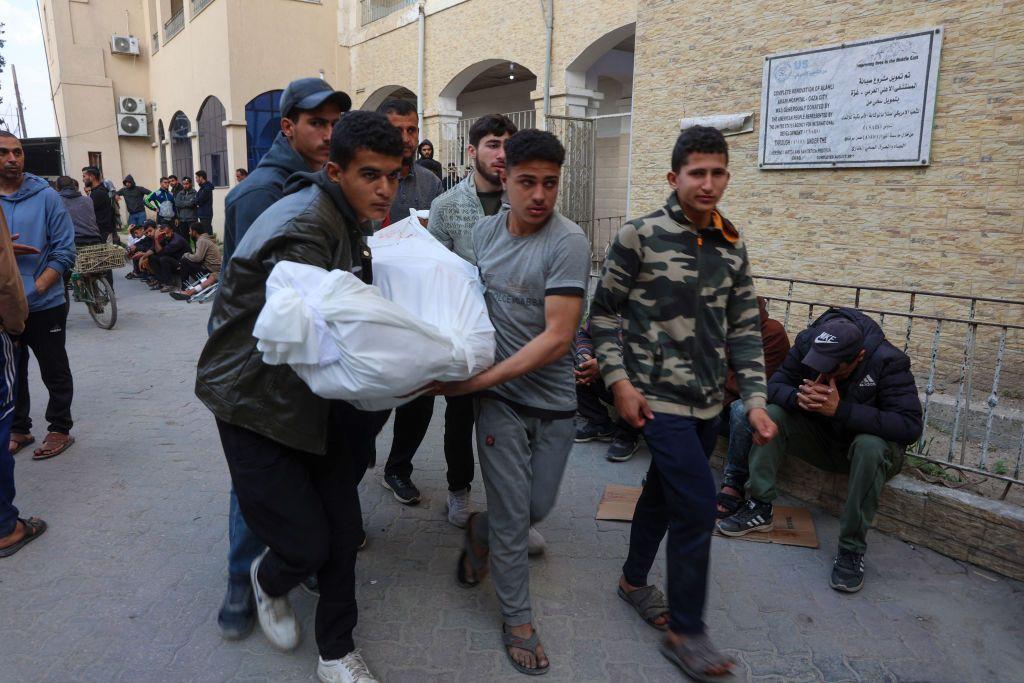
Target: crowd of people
pixel 675 340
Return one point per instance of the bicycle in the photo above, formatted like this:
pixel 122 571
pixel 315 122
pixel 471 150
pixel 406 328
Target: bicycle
pixel 89 284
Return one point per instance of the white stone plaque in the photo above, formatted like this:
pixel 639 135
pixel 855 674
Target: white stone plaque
pixel 869 103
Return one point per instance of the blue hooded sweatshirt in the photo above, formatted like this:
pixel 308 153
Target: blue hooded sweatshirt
pixel 254 195
pixel 37 213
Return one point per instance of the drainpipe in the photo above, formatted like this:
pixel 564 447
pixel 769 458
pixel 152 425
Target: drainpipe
pixel 548 8
pixel 422 20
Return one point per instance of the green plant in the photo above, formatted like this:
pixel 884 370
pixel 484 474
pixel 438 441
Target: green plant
pixel 1000 467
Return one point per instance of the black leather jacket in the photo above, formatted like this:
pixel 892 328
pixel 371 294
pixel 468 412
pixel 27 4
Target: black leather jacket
pixel 312 224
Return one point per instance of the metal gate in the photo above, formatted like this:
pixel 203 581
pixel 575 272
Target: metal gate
pixel 579 172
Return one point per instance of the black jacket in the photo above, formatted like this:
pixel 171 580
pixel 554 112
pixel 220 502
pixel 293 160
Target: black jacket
pixel 175 247
pixel 879 398
pixel 104 209
pixel 314 225
pixel 264 186
pixel 134 196
pixel 204 201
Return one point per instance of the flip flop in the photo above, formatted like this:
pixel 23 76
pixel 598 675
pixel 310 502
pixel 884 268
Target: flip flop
pixel 529 644
pixel 695 655
pixel 19 441
pixel 34 528
pixel 53 447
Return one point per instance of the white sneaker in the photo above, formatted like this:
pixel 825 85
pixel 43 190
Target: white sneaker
pixel 458 508
pixel 535 544
pixel 275 614
pixel 349 669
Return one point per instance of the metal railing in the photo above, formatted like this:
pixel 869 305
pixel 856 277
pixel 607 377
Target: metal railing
pixel 600 232
pixel 450 139
pixel 173 26
pixel 154 42
pixel 946 331
pixel 372 10
pixel 198 6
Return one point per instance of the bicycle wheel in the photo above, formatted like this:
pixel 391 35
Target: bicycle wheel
pixel 103 307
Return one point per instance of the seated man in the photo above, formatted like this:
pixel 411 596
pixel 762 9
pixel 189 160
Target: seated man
pixel 168 248
pixel 733 420
pixel 142 250
pixel 591 399
pixel 844 400
pixel 205 262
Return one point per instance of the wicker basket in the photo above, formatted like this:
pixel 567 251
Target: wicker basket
pixel 96 258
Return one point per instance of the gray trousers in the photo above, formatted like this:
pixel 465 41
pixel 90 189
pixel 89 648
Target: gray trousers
pixel 522 459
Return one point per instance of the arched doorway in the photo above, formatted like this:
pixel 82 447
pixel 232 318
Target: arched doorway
pixel 602 77
pixel 491 86
pixel 161 137
pixel 386 93
pixel 262 124
pixel 181 145
pixel 213 141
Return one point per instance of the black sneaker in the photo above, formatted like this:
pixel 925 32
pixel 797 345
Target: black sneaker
pixel 754 516
pixel 623 447
pixel 404 490
pixel 847 572
pixel 238 611
pixel 589 431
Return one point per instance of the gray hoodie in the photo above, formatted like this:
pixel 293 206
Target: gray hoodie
pixel 83 214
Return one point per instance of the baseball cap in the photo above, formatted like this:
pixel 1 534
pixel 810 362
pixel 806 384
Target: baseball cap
pixel 839 340
pixel 310 93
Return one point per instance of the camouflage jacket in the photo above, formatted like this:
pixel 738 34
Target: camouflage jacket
pixel 685 296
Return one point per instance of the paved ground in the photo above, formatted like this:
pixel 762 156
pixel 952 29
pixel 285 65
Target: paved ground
pixel 125 584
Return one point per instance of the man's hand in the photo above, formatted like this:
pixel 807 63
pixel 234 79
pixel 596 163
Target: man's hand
pixel 22 249
pixel 631 404
pixel 816 397
pixel 47 279
pixel 761 426
pixel 588 371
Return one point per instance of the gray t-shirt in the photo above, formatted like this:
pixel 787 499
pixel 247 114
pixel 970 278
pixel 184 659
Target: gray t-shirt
pixel 518 272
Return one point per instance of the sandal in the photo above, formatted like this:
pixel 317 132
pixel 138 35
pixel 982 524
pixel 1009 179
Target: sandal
pixel 476 563
pixel 529 644
pixel 696 656
pixel 731 503
pixel 34 528
pixel 54 444
pixel 19 441
pixel 649 602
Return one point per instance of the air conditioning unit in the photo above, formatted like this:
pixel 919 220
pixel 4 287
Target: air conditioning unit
pixel 132 125
pixel 124 45
pixel 131 105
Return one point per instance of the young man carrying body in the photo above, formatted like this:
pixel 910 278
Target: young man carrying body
pixel 296 459
pixel 534 265
pixel 310 108
pixel 35 211
pixel 417 188
pixel 680 281
pixel 452 217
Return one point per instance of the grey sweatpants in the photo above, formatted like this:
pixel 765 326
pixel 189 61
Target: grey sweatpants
pixel 522 459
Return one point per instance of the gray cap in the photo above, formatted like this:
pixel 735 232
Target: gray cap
pixel 310 93
pixel 839 340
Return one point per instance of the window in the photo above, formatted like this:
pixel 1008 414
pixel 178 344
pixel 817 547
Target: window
pixel 96 159
pixel 262 123
pixel 181 146
pixel 213 141
pixel 163 148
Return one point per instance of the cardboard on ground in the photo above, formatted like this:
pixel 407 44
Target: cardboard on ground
pixel 793 526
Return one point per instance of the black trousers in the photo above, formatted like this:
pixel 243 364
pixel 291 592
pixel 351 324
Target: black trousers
pixel 45 335
pixel 190 269
pixel 305 507
pixel 411 422
pixel 458 441
pixel 165 267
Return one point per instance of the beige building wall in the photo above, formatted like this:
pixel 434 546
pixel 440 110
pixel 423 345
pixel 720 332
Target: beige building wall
pixel 955 226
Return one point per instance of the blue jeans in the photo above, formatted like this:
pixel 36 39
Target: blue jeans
pixel 679 498
pixel 243 546
pixel 741 439
pixel 8 513
pixel 137 218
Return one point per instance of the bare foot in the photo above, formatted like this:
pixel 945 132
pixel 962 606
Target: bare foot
pixel 660 620
pixel 522 657
pixel 15 536
pixel 723 669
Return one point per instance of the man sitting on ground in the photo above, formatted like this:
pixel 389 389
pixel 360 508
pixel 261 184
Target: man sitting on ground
pixel 168 248
pixel 844 400
pixel 205 260
pixel 594 424
pixel 733 419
